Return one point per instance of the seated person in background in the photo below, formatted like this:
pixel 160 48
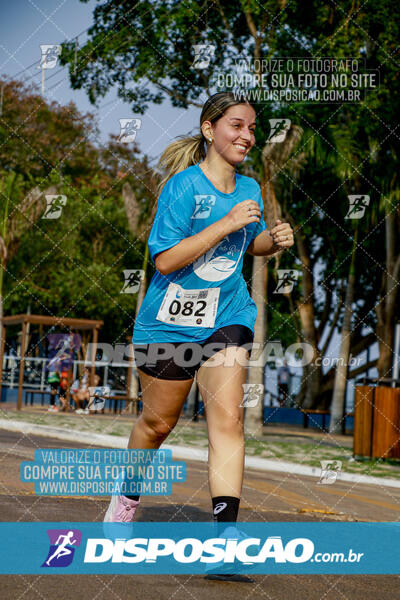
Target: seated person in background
pixel 81 395
pixel 80 392
pixel 64 381
pixel 54 381
pixel 97 383
pixel 284 376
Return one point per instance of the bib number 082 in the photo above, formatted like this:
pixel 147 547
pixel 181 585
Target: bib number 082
pixel 187 309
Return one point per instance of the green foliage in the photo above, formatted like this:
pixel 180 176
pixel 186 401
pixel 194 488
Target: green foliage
pixel 71 266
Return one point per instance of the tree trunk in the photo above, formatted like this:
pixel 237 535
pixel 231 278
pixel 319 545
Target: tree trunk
pixel 132 207
pixel 134 379
pixel 254 415
pixel 1 322
pixel 385 309
pixel 312 373
pixel 339 390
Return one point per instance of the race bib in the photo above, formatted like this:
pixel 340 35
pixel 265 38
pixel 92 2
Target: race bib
pixel 189 308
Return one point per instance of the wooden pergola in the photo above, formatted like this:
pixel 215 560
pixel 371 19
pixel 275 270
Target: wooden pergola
pixel 24 320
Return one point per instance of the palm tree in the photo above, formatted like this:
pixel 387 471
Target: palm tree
pixel 339 390
pixel 347 155
pixel 386 307
pixel 275 158
pixel 140 228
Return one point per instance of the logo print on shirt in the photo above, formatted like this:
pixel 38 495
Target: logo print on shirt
pixel 219 507
pixel 204 202
pixel 221 260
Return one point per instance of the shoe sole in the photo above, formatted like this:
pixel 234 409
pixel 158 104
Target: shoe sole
pixel 235 578
pixel 110 509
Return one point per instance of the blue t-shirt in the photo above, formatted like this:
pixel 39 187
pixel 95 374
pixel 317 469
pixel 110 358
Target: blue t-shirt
pixel 191 303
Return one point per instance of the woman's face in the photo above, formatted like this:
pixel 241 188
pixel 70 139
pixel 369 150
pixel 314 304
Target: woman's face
pixel 234 133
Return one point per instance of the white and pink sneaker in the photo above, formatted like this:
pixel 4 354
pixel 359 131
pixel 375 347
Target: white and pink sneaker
pixel 120 513
pixel 121 510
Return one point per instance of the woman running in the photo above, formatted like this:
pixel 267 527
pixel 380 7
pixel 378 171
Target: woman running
pixel 197 303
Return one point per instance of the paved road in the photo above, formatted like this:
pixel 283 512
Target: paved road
pixel 266 497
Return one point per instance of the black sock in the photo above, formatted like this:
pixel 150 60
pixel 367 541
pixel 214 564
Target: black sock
pixel 128 483
pixel 225 509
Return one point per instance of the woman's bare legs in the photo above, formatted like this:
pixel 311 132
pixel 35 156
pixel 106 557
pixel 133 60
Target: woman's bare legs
pixel 222 392
pixel 162 405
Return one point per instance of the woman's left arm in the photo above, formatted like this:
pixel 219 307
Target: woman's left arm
pixel 270 242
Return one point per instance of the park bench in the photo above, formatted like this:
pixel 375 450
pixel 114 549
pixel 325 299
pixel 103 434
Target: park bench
pixel 309 411
pixel 348 414
pixel 29 396
pixel 115 403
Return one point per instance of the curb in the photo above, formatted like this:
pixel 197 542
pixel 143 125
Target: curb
pixel 186 452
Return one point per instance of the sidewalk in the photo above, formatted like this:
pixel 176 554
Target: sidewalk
pixel 280 449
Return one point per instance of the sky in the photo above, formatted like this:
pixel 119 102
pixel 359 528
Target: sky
pixel 26 24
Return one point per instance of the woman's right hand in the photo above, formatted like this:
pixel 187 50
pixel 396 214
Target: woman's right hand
pixel 242 214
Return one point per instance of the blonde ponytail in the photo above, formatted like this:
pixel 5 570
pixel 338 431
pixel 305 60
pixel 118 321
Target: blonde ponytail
pixel 181 154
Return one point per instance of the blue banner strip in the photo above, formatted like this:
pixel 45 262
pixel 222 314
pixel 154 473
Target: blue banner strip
pixel 196 548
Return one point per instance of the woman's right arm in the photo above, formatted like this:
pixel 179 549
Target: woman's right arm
pixel 191 248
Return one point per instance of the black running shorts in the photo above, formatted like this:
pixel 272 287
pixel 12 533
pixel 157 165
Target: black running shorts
pixel 182 359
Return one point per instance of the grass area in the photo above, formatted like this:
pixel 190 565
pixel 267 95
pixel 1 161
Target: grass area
pixel 295 448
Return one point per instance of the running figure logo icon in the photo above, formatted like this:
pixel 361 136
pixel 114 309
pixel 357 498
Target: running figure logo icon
pixel 128 130
pixel 286 280
pixel 55 204
pixel 98 396
pixel 202 55
pixel 204 202
pixel 62 547
pixel 279 129
pixel 252 394
pixel 50 54
pixel 133 277
pixel 357 206
pixel 329 471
